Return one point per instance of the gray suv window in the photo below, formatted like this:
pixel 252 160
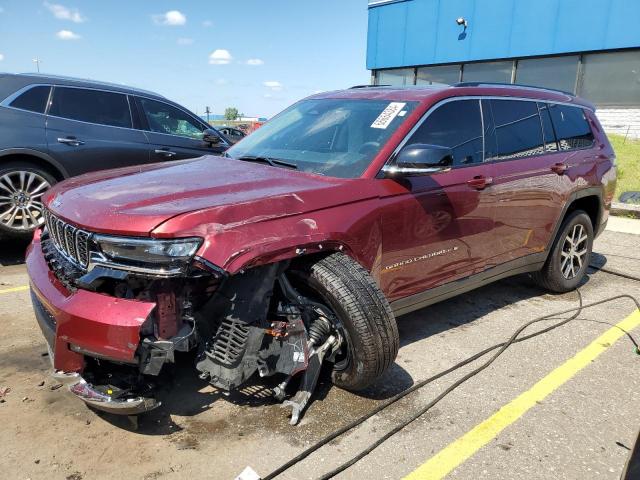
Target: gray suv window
pixel 93 106
pixel 34 99
pixel 164 118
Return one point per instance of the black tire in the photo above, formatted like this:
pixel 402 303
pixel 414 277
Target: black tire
pixel 552 277
pixel 9 174
pixel 368 322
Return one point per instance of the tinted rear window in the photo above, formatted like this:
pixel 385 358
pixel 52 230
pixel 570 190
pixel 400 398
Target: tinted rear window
pixel 571 127
pixel 517 130
pixel 34 99
pixel 93 106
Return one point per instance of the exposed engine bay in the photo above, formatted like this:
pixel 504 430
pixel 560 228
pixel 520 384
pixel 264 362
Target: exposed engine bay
pixel 252 322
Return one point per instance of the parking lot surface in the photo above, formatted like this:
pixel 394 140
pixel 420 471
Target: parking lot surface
pixel 583 414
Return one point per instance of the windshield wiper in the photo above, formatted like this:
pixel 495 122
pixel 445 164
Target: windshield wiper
pixel 274 162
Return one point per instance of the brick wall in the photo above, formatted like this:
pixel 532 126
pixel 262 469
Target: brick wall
pixel 623 121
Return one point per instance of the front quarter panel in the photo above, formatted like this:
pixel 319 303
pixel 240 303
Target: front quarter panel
pixel 353 228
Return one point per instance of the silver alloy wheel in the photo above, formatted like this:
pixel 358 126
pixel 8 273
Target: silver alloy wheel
pixel 21 200
pixel 574 252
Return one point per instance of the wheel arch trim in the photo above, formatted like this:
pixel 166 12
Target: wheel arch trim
pixel 42 156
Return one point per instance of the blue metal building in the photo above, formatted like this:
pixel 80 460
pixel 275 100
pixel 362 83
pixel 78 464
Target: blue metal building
pixel 588 47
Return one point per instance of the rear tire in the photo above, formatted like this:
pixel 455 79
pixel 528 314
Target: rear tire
pixel 22 186
pixel 368 322
pixel 569 256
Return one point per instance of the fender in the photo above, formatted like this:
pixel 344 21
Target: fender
pixel 48 159
pixel 576 195
pixel 241 245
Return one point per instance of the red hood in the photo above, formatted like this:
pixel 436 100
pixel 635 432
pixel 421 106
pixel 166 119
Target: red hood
pixel 135 200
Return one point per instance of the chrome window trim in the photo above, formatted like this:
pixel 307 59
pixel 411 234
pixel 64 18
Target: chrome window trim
pixel 8 100
pixel 444 101
pixel 6 103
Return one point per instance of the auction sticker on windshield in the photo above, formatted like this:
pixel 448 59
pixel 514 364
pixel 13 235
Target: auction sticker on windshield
pixel 387 115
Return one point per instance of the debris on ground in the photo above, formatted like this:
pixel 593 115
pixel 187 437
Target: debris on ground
pixel 3 393
pixel 55 386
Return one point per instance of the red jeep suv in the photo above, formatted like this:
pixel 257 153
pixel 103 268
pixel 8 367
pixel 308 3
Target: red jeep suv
pixel 304 242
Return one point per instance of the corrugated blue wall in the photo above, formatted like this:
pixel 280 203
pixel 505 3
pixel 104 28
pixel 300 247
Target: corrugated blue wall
pixel 423 32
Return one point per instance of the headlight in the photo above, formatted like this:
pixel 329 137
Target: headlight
pixel 149 252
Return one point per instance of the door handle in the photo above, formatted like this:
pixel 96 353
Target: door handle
pixel 480 182
pixel 72 141
pixel 559 168
pixel 165 152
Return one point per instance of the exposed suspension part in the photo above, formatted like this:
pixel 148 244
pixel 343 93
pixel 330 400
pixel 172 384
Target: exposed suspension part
pixel 320 328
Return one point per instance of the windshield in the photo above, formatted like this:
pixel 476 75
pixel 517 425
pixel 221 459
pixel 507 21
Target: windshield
pixel 334 137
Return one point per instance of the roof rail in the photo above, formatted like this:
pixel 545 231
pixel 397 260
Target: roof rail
pixel 510 85
pixel 101 83
pixel 367 86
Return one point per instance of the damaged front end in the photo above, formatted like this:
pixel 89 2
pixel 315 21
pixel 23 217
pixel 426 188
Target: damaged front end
pixel 116 310
pixel 257 322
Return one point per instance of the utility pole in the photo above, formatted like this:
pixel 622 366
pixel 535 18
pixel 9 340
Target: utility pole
pixel 37 62
pixel 207 110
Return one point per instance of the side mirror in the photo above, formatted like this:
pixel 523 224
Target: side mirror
pixel 211 136
pixel 420 159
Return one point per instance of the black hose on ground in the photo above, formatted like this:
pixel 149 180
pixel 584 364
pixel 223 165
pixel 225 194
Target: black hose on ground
pixel 613 272
pixel 501 346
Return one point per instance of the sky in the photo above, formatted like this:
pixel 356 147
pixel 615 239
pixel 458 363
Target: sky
pixel 256 55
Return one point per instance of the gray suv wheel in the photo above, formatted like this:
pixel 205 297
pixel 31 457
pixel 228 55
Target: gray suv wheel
pixel 21 189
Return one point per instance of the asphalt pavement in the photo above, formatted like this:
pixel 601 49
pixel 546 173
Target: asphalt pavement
pixel 565 404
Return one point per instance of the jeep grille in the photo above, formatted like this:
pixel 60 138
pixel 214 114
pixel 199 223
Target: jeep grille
pixel 70 241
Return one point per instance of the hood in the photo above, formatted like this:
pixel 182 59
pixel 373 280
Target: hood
pixel 135 200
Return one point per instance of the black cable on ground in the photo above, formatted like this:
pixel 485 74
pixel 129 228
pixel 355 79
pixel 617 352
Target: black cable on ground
pixel 502 346
pixel 613 272
pixel 466 377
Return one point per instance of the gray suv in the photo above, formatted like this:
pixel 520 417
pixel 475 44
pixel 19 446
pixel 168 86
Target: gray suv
pixel 53 127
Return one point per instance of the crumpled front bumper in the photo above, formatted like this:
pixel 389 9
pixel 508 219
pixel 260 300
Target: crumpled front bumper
pixel 112 404
pixel 82 322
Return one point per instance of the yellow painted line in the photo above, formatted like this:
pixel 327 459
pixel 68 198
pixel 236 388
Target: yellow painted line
pixel 456 453
pixel 15 289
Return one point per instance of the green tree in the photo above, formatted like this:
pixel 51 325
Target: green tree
pixel 230 113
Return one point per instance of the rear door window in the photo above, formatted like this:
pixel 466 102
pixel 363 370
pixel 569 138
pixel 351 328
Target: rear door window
pixel 516 128
pixel 34 100
pixel 456 125
pixel 550 143
pixel 571 127
pixel 164 118
pixel 92 106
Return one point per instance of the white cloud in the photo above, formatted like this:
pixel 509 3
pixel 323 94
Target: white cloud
pixel 273 85
pixel 220 57
pixel 1 57
pixel 255 62
pixel 221 81
pixel 185 41
pixel 63 13
pixel 207 24
pixel 67 35
pixel 172 18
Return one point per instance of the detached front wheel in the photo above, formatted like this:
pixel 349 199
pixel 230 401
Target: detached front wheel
pixel 363 315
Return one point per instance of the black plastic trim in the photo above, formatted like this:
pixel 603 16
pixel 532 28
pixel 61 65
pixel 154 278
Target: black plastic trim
pixel 529 263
